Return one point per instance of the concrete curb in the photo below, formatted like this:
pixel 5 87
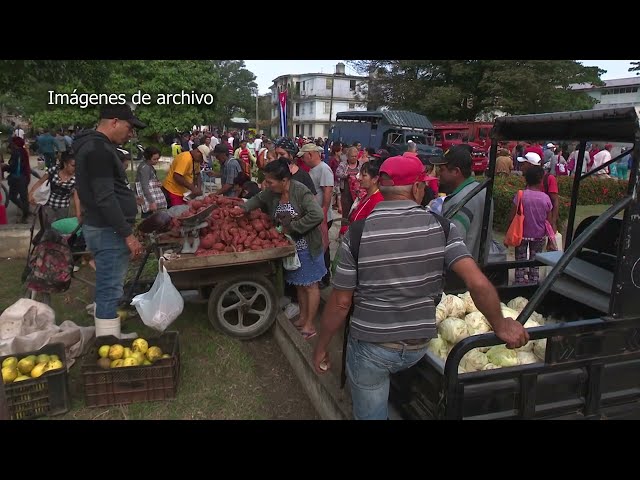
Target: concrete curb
pixel 15 240
pixel 329 400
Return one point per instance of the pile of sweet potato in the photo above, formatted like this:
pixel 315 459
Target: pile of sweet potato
pixel 226 233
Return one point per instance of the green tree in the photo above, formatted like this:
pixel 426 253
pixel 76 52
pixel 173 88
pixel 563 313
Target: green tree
pixel 463 89
pixel 236 96
pixel 635 68
pixel 27 85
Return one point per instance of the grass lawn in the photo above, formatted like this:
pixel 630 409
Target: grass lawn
pixel 219 378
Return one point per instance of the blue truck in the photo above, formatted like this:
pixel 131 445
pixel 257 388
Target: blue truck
pixel 388 129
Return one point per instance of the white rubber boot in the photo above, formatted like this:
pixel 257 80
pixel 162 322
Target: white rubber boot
pixel 111 326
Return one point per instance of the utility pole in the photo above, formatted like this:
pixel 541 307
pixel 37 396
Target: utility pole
pixel 257 122
pixel 333 83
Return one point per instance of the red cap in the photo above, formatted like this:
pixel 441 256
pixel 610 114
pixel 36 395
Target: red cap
pixel 402 171
pixel 608 146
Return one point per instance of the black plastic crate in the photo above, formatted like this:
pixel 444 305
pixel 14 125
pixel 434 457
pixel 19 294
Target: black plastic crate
pixel 37 397
pixel 121 386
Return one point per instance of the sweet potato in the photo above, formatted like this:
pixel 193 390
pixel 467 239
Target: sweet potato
pixel 218 246
pixel 257 225
pixel 256 247
pixel 240 248
pixel 229 249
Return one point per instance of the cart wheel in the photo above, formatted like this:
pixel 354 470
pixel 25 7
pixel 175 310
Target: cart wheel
pixel 243 306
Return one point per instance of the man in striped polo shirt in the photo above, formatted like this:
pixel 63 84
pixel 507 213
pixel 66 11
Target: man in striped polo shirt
pixel 402 254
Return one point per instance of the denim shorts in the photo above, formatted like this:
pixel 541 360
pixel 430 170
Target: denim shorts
pixel 369 367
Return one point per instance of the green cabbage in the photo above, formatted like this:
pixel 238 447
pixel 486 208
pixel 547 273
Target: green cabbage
pixel 441 314
pixel 518 303
pixel 469 306
pixel 453 330
pixel 526 357
pixel 502 356
pixel 477 323
pixel 454 306
pixel 540 348
pixel 473 360
pixel 508 312
pixel 491 366
pixel 438 347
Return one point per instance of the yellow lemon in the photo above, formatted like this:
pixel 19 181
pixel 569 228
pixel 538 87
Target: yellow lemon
pixel 21 378
pixel 53 365
pixel 130 362
pixel 26 365
pixel 42 358
pixel 9 374
pixel 117 363
pixel 139 357
pixel 116 352
pixel 154 353
pixel 140 345
pixel 38 370
pixel 103 351
pixel 10 362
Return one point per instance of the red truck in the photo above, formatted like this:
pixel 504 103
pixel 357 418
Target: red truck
pixel 475 134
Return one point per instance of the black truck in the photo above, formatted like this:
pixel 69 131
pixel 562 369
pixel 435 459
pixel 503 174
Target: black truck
pixel 591 367
pixel 391 130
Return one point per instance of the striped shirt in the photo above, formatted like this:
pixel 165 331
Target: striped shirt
pixel 401 261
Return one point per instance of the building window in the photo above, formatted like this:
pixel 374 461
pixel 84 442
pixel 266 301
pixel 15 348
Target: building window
pixel 297 130
pixel 326 131
pixel 352 85
pixel 304 108
pixel 329 83
pixel 298 88
pixel 309 130
pixel 327 107
pixel 304 86
pixel 297 109
pixel 352 106
pixel 311 108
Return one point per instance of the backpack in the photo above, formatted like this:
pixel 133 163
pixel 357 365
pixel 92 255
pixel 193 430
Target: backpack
pixel 50 264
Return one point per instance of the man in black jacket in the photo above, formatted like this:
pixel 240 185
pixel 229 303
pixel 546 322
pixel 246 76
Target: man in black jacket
pixel 109 209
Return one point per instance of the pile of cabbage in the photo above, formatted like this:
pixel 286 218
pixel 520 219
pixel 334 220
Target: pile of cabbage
pixel 457 318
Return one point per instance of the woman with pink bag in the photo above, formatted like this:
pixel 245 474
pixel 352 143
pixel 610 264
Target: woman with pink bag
pixel 537 210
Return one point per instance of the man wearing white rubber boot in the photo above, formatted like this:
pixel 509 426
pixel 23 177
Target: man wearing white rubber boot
pixel 109 210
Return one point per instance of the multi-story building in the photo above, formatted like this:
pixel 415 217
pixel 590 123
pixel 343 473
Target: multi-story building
pixel 313 100
pixel 620 92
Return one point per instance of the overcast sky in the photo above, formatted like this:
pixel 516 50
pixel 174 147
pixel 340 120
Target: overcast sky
pixel 267 70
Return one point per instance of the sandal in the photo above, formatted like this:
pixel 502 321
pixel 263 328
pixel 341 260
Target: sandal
pixel 308 335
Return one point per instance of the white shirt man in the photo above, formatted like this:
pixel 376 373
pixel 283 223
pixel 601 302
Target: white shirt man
pixel 602 157
pixel 257 144
pixel 18 132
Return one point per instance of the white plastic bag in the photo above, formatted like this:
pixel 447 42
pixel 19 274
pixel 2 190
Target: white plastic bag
pixel 292 262
pixel 41 195
pixel 161 305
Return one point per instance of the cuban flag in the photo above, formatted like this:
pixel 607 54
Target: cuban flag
pixel 282 97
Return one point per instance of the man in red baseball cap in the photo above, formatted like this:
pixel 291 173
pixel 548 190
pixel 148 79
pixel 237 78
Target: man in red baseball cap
pixel 402 171
pixel 393 260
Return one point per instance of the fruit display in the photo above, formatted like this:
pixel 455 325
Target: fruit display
pixel 29 367
pixel 226 233
pixel 139 354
